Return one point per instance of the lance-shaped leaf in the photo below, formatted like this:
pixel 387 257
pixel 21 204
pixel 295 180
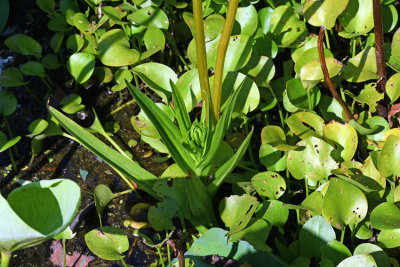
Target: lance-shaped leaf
pixel 119 162
pixel 181 114
pixel 36 212
pixel 167 130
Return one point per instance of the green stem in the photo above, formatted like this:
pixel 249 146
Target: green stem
pixel 328 45
pixel 124 263
pixel 353 230
pixel 47 85
pixel 161 258
pixel 33 96
pixel 5 258
pixel 201 54
pixel 220 61
pixel 64 252
pixel 342 235
pixel 271 3
pixel 120 108
pixel 11 135
pixel 306 182
pixel 168 251
pixel 184 232
pixel 176 50
pixel 12 160
pixel 122 193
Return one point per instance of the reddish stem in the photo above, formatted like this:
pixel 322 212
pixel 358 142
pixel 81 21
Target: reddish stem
pixel 380 57
pixel 326 74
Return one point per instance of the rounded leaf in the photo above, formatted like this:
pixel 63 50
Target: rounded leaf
pixel 269 184
pixel 75 42
pixel 344 204
pixel 386 216
pixel 81 66
pixel 364 260
pixel 393 87
pixel 389 157
pixel 8 103
pixel 343 137
pixel 33 68
pixel 362 67
pixel 274 212
pixel 37 127
pixel 301 97
pixel 357 17
pixel 150 17
pixel 11 77
pixel 319 13
pixel 24 45
pixel 389 238
pixel 380 256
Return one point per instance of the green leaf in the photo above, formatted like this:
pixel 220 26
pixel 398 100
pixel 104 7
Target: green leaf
pixel 154 41
pixel 51 62
pixel 246 19
pixel 389 238
pixel 343 137
pixel 119 162
pixel 11 77
pixel 380 257
pixel 236 211
pixel 309 55
pixel 52 206
pixel 313 162
pixel 150 17
pixel 393 87
pixel 358 17
pixel 24 45
pixel 261 68
pixel 157 76
pixel 81 66
pixel 56 41
pixel 107 242
pixel 306 124
pixel 71 104
pixel 215 242
pixel 5 143
pixel 181 114
pixel 335 252
pixel 33 68
pixel 8 103
pixel 4 12
pixel 312 71
pixel 388 161
pixel 114 49
pixel 115 14
pixel 37 127
pixel 168 131
pixel 189 88
pixel 319 13
pixel 362 67
pixel 66 234
pixel 365 260
pixel 160 217
pixel 274 212
pixel 315 233
pixel 368 95
pixel 102 196
pixel 301 97
pixel 75 42
pixel 343 204
pixel 46 5
pixel 269 184
pixel 103 74
pixel 385 216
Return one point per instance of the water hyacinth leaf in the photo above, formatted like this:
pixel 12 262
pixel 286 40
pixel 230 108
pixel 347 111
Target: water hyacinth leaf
pixel 8 102
pixel 82 23
pixel 335 252
pixel 369 95
pixel 272 158
pixel 213 25
pixel 393 87
pixel 264 18
pixel 33 68
pixel 386 216
pixel 215 242
pixel 51 207
pixel 306 124
pixel 46 5
pixel 365 260
pixel 157 77
pixel 103 74
pixel 90 45
pixel 246 20
pixel 389 238
pixel 102 196
pixel 313 203
pixel 107 242
pixel 115 14
pixel 311 41
pixel 160 217
pixel 372 178
pixel 363 231
pixel 269 184
pixel 236 211
pixel 388 161
pixel 308 55
pixel 66 234
pixel 249 95
pixel 58 23
pixel 315 233
pixel 24 45
pixel 261 68
pixel 256 233
pixel 286 26
pixel 319 13
pixel 37 127
pixel 81 66
pixel 358 17
pixel 50 62
pixel 330 109
pixel 121 76
pixel 390 17
pixel 301 97
pixel 189 88
pixel 4 12
pixel 56 41
pixel 362 67
pixel 376 252
pixel 265 46
pixel 312 71
pixel 344 204
pixel 343 137
pixel 5 143
pixel 75 42
pixel 274 212
pixel 114 49
pixel 71 104
pixel 150 17
pixel 154 41
pixel 272 135
pixel 11 77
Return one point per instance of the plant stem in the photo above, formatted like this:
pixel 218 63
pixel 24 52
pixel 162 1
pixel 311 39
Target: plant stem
pixel 33 96
pixel 124 263
pixel 201 54
pixel 47 85
pixel 161 258
pixel 326 74
pixel 328 45
pixel 168 251
pixel 122 193
pixel 271 3
pixel 306 182
pixel 342 235
pixel 379 53
pixel 184 232
pixel 120 107
pixel 220 61
pixel 176 50
pixel 11 135
pixel 5 258
pixel 64 252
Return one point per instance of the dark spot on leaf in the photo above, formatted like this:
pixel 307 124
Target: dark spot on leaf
pixel 281 188
pixel 251 206
pixel 149 13
pixel 169 182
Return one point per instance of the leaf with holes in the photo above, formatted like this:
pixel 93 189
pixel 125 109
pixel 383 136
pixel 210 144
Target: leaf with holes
pixel 269 184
